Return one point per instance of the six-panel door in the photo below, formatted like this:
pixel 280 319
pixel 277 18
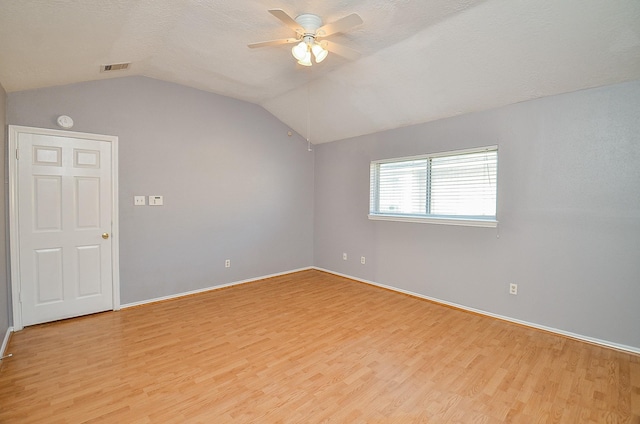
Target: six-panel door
pixel 64 212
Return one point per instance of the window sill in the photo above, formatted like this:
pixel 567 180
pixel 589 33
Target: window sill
pixel 468 222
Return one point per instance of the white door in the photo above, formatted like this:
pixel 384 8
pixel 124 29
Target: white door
pixel 63 216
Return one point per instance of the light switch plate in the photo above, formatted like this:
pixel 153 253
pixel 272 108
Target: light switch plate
pixel 139 200
pixel 156 201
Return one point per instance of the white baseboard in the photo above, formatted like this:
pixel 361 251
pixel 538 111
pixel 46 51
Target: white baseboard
pixel 5 341
pixel 206 289
pixel 580 337
pixel 605 343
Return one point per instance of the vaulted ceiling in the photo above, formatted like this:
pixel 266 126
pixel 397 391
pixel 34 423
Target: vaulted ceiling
pixel 421 60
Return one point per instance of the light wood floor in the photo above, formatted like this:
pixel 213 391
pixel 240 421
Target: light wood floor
pixel 309 347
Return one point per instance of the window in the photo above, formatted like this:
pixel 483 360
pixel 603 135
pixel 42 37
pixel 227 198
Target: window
pixel 447 188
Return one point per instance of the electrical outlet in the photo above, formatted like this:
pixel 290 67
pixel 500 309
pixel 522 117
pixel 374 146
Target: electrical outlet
pixel 227 263
pixel 344 256
pixel 139 200
pixel 513 288
pixel 362 260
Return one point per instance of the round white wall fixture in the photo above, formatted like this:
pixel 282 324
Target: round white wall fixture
pixel 65 121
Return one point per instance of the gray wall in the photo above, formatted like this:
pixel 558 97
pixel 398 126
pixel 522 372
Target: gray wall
pixel 5 301
pixel 568 211
pixel 235 186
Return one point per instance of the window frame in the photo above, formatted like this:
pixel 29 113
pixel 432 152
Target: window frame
pixel 473 221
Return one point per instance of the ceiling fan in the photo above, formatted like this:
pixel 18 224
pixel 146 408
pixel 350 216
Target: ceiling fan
pixel 309 32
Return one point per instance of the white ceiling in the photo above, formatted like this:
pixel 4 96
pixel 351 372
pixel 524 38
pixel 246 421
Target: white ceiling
pixel 421 59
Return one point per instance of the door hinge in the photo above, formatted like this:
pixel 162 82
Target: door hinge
pixel 20 297
pixel 17 154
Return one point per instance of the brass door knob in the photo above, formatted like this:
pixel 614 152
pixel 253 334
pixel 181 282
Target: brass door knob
pixel 105 235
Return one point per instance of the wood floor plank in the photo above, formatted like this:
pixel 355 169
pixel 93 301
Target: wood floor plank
pixel 309 347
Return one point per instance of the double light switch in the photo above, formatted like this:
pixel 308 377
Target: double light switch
pixel 153 200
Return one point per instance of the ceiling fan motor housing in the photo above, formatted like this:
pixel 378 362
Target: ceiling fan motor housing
pixel 310 23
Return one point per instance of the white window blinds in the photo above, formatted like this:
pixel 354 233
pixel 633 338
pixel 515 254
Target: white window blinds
pixel 456 185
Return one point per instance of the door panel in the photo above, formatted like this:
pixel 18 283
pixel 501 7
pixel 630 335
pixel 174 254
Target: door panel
pixel 48 273
pixel 47 203
pixel 47 155
pixel 87 194
pixel 89 275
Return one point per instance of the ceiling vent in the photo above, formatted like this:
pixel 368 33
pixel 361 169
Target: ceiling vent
pixel 115 67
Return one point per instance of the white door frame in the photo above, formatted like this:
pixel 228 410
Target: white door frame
pixel 14 241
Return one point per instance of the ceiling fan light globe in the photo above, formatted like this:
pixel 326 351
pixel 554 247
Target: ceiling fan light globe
pixel 306 60
pixel 319 52
pixel 300 50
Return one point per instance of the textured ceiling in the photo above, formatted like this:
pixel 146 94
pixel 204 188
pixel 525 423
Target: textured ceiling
pixel 421 59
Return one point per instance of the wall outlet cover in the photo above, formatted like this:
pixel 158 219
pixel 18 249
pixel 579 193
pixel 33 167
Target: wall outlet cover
pixel 156 200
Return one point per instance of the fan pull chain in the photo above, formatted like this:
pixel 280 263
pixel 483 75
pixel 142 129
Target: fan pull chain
pixel 308 117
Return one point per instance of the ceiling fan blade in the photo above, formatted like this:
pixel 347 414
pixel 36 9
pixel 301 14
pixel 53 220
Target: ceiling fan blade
pixel 340 50
pixel 287 20
pixel 341 25
pixel 272 42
